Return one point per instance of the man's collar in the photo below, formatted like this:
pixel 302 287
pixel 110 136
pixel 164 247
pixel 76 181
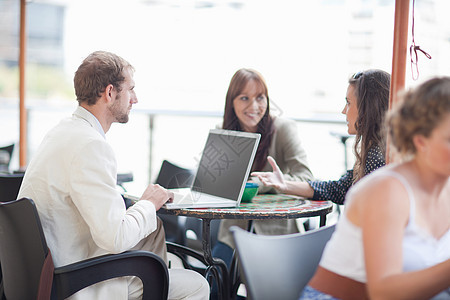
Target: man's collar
pixel 83 113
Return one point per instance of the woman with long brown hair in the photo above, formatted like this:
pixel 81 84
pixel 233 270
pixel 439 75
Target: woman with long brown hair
pixel 247 108
pixel 367 101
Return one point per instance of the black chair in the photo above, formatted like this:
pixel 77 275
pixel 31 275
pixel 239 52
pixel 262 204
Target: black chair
pixel 172 176
pixel 194 239
pixel 124 177
pixel 10 185
pixel 9 188
pixel 23 249
pixel 5 157
pixel 279 267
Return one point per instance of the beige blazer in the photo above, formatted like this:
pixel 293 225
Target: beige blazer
pixel 72 179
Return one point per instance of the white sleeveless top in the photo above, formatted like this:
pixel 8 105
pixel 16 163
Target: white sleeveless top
pixel 344 253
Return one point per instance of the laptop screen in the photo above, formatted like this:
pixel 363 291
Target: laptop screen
pixel 225 163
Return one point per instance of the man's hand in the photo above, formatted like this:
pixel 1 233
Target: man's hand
pixel 272 179
pixel 157 195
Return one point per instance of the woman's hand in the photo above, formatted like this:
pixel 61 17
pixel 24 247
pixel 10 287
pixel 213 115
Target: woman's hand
pixel 273 179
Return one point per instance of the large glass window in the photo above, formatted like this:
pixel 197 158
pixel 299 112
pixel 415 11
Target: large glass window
pixel 185 52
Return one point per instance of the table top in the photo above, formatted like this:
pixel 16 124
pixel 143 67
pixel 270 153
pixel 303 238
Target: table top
pixel 264 206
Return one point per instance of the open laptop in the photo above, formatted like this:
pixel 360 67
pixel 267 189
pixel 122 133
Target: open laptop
pixel 222 172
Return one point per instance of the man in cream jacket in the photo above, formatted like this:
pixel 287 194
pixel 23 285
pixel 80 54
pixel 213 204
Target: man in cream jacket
pixel 72 180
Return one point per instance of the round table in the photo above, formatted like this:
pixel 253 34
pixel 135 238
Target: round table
pixel 264 206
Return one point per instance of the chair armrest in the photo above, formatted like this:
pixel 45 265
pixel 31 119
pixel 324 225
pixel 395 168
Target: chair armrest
pixel 149 267
pixel 183 251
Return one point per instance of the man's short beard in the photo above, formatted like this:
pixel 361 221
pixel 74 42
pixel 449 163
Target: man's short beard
pixel 123 118
pixel 119 116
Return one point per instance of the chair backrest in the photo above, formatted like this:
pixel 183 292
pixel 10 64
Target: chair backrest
pixel 9 186
pixel 22 248
pixel 5 156
pixel 279 267
pixel 172 176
